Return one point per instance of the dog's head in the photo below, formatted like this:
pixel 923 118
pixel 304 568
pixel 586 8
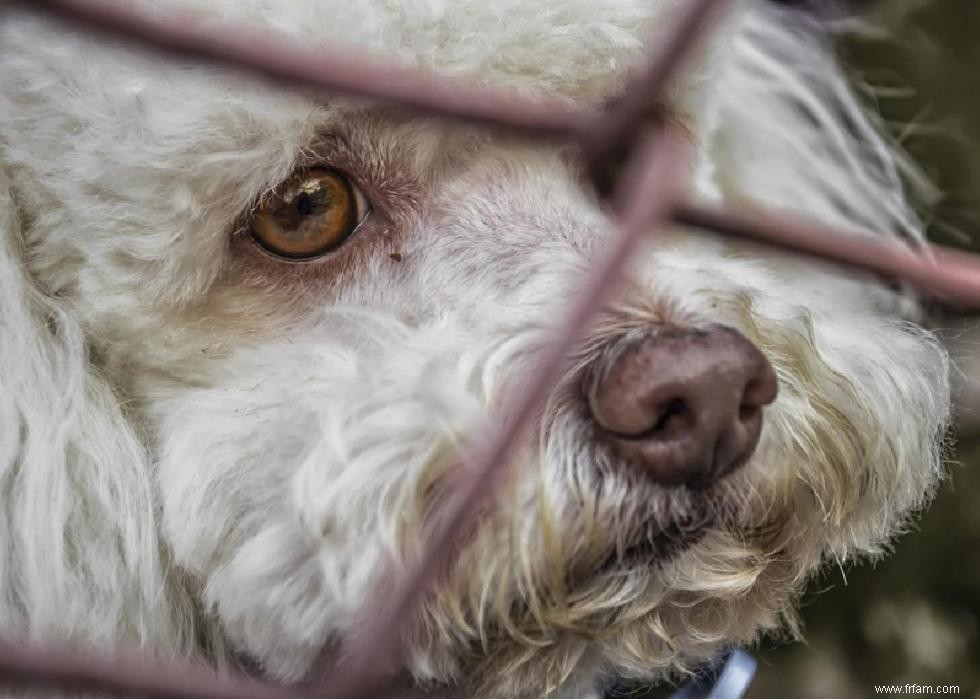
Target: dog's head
pixel 247 337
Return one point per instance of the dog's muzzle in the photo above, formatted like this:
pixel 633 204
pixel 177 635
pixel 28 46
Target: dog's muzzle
pixel 684 405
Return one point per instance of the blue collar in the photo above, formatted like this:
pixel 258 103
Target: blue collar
pixel 729 678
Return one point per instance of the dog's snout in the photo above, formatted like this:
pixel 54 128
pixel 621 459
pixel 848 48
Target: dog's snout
pixel 685 404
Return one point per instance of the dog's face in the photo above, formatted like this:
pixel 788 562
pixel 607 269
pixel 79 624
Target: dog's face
pixel 311 310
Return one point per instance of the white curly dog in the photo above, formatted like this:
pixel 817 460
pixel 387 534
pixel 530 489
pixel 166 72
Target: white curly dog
pixel 245 334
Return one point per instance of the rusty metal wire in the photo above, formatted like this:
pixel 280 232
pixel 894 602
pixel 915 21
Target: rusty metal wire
pixel 646 191
pixel 50 667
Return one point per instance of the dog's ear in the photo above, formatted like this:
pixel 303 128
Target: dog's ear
pixel 793 132
pixel 78 544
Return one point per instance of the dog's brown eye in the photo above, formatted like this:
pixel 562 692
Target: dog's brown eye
pixel 311 214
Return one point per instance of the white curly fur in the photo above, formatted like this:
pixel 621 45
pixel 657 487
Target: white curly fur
pixel 209 452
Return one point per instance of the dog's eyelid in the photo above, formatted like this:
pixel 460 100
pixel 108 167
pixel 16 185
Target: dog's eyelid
pixel 362 203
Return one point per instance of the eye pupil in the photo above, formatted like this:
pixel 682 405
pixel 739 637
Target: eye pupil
pixel 305 204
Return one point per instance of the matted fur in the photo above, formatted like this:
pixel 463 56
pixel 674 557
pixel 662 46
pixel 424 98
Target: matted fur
pixel 207 451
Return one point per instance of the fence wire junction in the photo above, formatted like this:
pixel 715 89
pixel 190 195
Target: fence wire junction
pixel 633 155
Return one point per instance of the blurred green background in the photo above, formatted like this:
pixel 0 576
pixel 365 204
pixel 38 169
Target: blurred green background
pixel 915 616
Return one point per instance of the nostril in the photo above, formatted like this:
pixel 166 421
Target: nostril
pixel 748 412
pixel 675 415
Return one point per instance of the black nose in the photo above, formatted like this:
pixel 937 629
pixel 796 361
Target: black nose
pixel 685 404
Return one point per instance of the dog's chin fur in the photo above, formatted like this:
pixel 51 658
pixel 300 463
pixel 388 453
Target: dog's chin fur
pixel 211 452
